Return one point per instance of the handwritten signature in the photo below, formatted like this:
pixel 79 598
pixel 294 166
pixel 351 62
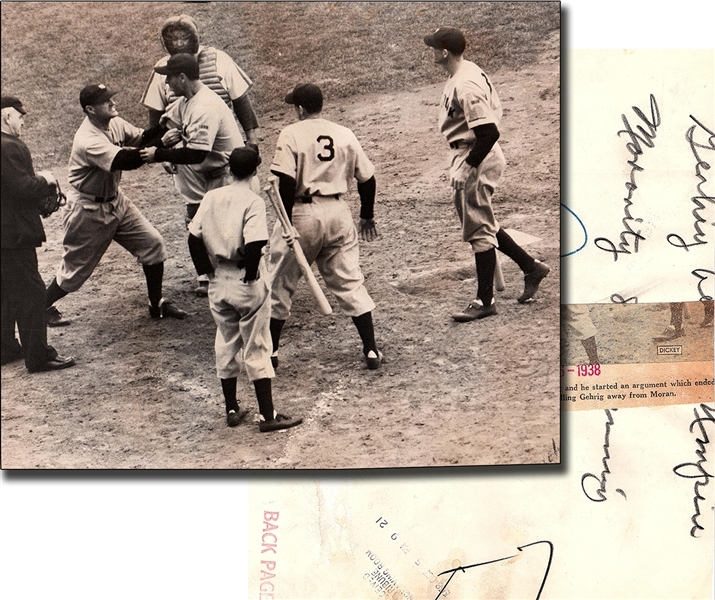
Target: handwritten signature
pixel 695 470
pixel 703 275
pixel 636 149
pixel 453 572
pixel 700 166
pixel 601 491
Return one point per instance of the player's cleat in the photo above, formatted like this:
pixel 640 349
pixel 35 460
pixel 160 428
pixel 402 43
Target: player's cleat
pixel 202 290
pixel 235 417
pixel 53 317
pixel 373 360
pixel 475 311
pixel 274 360
pixel 671 333
pixel 166 309
pixel 532 281
pixel 279 422
pixel 59 362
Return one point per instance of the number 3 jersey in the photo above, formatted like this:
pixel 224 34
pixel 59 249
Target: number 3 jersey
pixel 322 156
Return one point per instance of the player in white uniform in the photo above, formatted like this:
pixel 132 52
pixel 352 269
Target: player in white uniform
pixel 469 116
pixel 226 239
pixel 315 160
pixel 576 321
pixel 207 133
pixel 97 210
pixel 216 69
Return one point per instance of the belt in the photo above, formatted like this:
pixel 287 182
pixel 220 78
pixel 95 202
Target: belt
pixel 239 263
pixel 309 199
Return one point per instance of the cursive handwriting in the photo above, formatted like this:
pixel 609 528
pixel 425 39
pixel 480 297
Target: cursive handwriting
pixel 454 571
pixel 702 275
pixel 686 469
pixel 636 149
pixel 700 166
pixel 601 491
pixel 618 299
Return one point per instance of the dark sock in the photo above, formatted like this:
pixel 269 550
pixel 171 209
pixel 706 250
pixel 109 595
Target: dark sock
pixel 676 315
pixel 264 397
pixel 366 332
pixel 509 247
pixel 276 328
pixel 229 393
pixel 589 344
pixel 54 293
pixel 486 264
pixel 154 277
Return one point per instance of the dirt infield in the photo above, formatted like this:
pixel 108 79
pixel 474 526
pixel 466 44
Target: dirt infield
pixel 144 393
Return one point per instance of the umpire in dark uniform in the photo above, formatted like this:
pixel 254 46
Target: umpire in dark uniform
pixel 22 290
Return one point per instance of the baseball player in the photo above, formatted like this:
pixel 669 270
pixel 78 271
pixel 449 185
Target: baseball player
pixel 576 320
pixel 216 69
pixel 205 126
pixel 22 291
pixel 226 240
pixel 315 160
pixel 469 117
pixel 97 210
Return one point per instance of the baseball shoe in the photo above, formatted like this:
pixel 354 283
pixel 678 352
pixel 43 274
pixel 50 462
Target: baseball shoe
pixel 274 360
pixel 532 281
pixel 166 309
pixel 279 422
pixel 235 417
pixel 59 362
pixel 373 360
pixel 671 333
pixel 202 290
pixel 475 311
pixel 53 317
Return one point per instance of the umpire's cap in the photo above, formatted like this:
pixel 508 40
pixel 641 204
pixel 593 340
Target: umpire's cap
pixel 307 95
pixel 447 38
pixel 12 102
pixel 94 93
pixel 244 161
pixel 180 63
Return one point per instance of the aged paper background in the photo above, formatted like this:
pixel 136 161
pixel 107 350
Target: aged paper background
pixel 149 537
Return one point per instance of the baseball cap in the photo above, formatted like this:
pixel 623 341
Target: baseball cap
pixel 12 102
pixel 447 38
pixel 180 63
pixel 307 95
pixel 243 161
pixel 94 93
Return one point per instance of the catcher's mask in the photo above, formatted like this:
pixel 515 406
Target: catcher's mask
pixel 180 34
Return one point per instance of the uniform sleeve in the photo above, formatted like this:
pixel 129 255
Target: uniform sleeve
pixel 155 93
pixel 364 169
pixel 130 134
pixel 255 228
pixel 235 80
pixel 200 132
pixel 100 152
pixel 284 159
pixel 475 104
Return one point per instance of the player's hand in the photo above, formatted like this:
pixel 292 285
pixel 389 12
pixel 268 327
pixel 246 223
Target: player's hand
pixel 171 138
pixel 368 230
pixel 457 184
pixel 48 176
pixel 170 168
pixel 147 154
pixel 290 236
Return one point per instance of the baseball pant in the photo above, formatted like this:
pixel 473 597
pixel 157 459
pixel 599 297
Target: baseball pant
pixel 22 293
pixel 576 318
pixel 474 202
pixel 328 237
pixel 242 314
pixel 89 229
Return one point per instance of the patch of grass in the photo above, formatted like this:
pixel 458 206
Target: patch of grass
pixel 50 50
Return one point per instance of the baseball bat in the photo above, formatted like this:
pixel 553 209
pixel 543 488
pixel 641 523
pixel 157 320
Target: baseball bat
pixel 498 276
pixel 275 198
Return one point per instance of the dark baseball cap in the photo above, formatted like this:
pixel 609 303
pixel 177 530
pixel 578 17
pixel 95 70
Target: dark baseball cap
pixel 180 63
pixel 94 93
pixel 307 95
pixel 243 161
pixel 447 38
pixel 12 102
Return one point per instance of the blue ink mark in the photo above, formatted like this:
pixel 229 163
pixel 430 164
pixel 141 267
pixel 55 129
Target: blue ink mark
pixel 585 233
